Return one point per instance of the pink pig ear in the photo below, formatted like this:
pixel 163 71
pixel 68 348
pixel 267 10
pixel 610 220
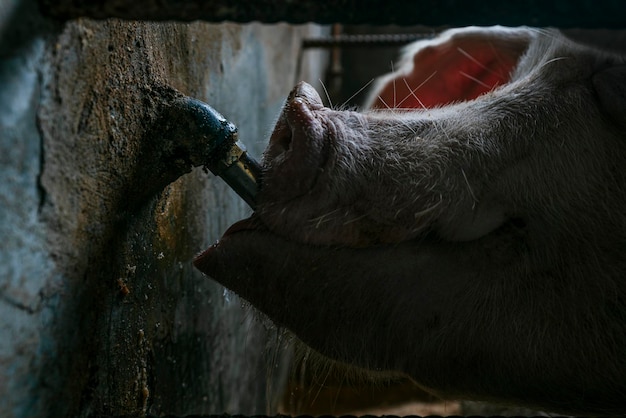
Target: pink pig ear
pixel 460 65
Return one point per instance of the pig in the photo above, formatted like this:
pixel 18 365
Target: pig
pixel 467 230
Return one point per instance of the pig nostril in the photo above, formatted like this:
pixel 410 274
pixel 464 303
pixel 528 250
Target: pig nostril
pixel 281 138
pixel 285 141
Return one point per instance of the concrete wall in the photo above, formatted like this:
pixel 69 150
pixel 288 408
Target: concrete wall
pixel 101 311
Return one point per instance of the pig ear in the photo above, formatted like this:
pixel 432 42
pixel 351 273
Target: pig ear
pixel 460 65
pixel 610 85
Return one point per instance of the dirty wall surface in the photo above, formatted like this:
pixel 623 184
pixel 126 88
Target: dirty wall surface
pixel 101 311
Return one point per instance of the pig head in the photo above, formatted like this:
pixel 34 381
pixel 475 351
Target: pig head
pixel 468 230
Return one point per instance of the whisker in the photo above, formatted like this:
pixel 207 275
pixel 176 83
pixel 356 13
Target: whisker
pixel 358 91
pixel 553 60
pixel 385 103
pixel 545 32
pixel 414 95
pixel 358 218
pixel 464 74
pixel 395 111
pixel 474 60
pixel 318 221
pixel 330 102
pixel 321 385
pixel 426 211
pixel 395 99
pixel 418 87
pixel 469 187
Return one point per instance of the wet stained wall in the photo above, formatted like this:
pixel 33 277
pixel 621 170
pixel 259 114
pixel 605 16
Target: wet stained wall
pixel 101 311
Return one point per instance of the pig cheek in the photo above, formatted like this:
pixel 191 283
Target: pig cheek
pixel 369 234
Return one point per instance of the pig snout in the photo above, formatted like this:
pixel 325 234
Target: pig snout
pixel 304 195
pixel 297 148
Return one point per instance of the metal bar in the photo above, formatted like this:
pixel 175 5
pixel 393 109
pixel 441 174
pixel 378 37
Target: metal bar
pixel 373 40
pixel 562 13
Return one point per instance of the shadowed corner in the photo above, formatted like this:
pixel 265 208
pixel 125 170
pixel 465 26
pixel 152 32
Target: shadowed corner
pixel 570 13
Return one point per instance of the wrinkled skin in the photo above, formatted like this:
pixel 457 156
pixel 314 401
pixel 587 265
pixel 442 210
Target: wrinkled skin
pixel 478 247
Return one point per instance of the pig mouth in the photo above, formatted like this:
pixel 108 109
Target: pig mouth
pixel 298 149
pixel 252 223
pixel 296 155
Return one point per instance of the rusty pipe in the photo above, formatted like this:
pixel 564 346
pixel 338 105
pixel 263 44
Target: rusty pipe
pixel 189 133
pixel 228 157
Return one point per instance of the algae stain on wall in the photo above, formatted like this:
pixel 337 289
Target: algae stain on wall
pixel 100 305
